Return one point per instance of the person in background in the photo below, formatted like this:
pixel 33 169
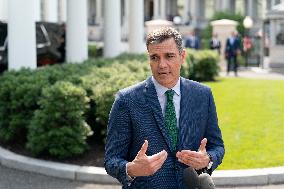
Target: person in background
pixel 232 50
pixel 192 41
pixel 215 43
pixel 164 124
pixel 247 47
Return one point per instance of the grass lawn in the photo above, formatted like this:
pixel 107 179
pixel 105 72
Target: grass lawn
pixel 251 117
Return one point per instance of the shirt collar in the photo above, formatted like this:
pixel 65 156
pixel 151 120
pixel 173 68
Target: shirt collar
pixel 161 89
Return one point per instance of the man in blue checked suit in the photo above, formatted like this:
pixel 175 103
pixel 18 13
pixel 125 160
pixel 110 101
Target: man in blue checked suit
pixel 164 124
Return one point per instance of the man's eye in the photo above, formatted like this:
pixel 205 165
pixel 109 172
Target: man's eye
pixel 171 56
pixel 153 58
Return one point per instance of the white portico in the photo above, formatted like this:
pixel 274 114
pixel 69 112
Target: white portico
pixel 113 21
pixel 21 17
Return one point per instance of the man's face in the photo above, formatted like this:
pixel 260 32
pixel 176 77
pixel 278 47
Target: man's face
pixel 165 62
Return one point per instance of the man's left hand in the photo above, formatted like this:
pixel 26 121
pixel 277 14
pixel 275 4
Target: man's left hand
pixel 196 160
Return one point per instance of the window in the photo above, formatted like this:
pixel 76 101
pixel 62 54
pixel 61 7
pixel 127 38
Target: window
pixel 3 33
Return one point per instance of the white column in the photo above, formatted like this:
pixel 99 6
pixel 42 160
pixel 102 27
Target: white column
pixel 37 9
pixel 50 10
pixel 147 10
pixel 233 6
pixel 218 5
pixel 136 26
pixel 201 10
pixel 125 20
pixel 272 3
pixel 268 5
pixel 21 34
pixel 229 5
pixel 250 8
pixel 163 9
pixel 76 31
pixel 186 11
pixel 226 5
pixel 62 11
pixel 272 33
pixel 194 4
pixel 99 14
pixel 3 10
pixel 156 9
pixel 112 29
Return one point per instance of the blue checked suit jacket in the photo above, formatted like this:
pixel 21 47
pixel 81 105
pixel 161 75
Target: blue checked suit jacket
pixel 136 115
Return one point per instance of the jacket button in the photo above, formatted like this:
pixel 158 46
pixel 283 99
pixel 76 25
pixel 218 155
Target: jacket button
pixel 176 168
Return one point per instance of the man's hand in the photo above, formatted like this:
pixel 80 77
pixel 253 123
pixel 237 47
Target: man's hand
pixel 196 160
pixel 144 165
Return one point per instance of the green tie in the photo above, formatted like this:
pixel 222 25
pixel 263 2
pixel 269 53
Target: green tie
pixel 170 118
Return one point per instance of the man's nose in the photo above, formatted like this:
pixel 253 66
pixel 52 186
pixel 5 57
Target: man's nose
pixel 162 63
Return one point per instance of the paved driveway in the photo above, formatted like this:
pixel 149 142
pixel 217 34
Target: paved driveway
pixel 14 179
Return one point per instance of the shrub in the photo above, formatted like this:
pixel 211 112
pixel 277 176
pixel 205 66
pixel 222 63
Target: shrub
pixel 58 128
pixel 19 92
pixel 95 51
pixel 126 57
pixel 203 65
pixel 105 83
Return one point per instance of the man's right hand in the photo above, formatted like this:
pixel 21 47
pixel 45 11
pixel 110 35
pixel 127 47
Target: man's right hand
pixel 144 165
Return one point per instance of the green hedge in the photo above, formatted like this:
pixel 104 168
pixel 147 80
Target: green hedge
pixel 31 101
pixel 21 90
pixel 201 65
pixel 58 127
pixel 19 93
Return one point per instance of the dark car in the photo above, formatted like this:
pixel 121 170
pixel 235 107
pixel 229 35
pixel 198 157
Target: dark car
pixel 50 43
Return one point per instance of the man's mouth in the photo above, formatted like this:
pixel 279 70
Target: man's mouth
pixel 163 73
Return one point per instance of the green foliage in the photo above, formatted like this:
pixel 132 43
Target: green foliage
pixel 231 16
pixel 58 127
pixel 207 32
pixel 105 82
pixel 125 57
pixel 21 90
pixel 19 93
pixel 100 78
pixel 95 51
pixel 56 104
pixel 92 51
pixel 201 65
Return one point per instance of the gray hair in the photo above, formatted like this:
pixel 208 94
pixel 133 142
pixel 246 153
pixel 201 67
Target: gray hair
pixel 159 35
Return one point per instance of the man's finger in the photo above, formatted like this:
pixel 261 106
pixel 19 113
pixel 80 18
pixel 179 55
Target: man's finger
pixel 202 146
pixel 143 149
pixel 157 156
pixel 158 160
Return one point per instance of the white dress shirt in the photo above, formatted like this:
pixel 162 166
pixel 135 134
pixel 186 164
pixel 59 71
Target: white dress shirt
pixel 163 99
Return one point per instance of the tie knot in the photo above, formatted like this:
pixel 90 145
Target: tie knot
pixel 170 93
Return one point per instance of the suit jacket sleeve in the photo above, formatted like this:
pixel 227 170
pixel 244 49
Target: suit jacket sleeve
pixel 118 140
pixel 215 145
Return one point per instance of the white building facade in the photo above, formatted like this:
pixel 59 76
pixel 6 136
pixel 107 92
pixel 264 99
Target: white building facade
pixel 115 21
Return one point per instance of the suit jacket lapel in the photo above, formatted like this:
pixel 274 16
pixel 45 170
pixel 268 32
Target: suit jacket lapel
pixel 153 102
pixel 186 127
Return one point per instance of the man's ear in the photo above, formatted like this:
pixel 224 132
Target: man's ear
pixel 183 55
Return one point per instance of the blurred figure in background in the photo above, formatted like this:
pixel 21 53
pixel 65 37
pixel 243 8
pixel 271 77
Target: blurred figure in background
pixel 215 43
pixel 247 46
pixel 232 50
pixel 191 41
